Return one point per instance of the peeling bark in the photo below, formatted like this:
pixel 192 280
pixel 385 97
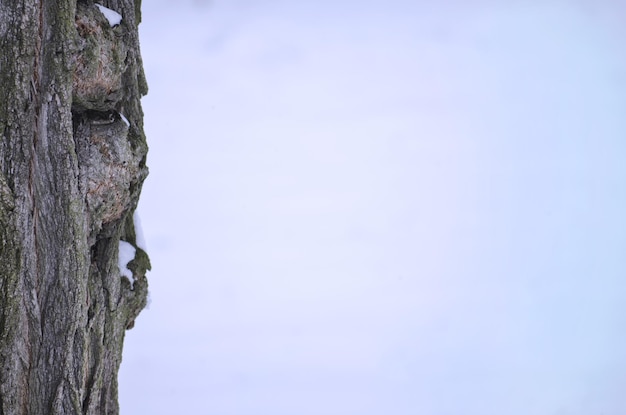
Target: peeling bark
pixel 72 163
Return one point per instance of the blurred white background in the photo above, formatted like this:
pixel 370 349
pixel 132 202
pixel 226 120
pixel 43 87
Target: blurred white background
pixel 367 208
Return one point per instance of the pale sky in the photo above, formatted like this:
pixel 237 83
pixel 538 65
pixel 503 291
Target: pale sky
pixel 368 208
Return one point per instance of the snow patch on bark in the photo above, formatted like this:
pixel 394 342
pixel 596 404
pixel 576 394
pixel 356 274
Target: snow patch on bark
pixel 126 254
pixel 139 238
pixel 125 119
pixel 112 16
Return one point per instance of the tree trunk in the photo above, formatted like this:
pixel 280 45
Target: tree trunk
pixel 72 163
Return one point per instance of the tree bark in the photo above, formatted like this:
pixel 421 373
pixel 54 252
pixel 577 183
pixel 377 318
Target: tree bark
pixel 72 163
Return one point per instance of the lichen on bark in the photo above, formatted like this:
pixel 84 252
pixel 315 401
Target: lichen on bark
pixel 72 163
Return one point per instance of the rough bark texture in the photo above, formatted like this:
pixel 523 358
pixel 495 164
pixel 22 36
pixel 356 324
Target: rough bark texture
pixel 72 162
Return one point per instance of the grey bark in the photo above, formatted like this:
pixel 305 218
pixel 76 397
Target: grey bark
pixel 72 163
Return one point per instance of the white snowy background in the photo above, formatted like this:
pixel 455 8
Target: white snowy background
pixel 383 207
